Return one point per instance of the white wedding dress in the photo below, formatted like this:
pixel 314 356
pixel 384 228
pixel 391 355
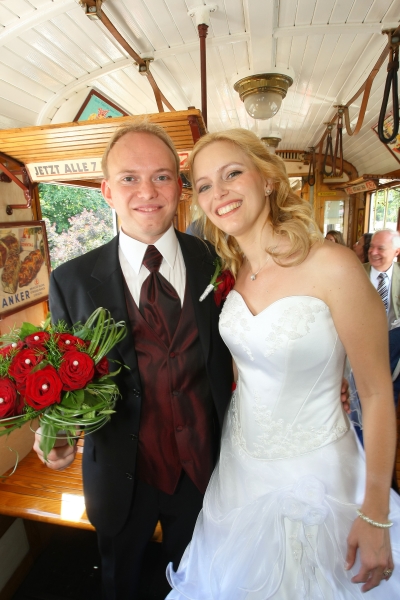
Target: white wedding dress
pixel 283 497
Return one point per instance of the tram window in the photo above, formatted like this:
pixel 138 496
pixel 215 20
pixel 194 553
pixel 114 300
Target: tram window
pixel 334 216
pixel 384 211
pixel 77 220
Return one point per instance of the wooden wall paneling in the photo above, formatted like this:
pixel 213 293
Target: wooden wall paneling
pixel 183 212
pixel 75 140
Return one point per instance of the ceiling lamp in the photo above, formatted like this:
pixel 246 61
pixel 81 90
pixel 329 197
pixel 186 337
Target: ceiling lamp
pixel 263 94
pixel 271 142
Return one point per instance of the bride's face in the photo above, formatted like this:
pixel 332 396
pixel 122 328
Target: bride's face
pixel 231 192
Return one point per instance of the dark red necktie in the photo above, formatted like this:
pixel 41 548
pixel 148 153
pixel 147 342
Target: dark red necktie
pixel 159 303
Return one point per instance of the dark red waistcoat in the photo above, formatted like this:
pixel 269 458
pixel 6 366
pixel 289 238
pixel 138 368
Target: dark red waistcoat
pixel 177 414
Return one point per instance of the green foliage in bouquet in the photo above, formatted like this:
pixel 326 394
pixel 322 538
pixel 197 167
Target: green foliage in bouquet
pixel 60 375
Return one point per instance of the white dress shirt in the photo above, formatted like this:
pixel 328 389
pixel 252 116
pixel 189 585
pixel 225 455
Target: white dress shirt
pixel 374 274
pixel 131 253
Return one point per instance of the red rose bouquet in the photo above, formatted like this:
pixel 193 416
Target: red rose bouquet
pixel 60 375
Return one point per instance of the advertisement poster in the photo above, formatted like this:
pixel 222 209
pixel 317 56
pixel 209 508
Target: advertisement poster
pixel 97 106
pixel 24 265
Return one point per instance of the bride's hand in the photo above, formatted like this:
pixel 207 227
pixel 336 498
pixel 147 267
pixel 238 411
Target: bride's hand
pixel 373 544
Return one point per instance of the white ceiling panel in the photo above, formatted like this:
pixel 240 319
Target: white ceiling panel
pixel 51 50
pixel 22 65
pixel 23 83
pixel 62 40
pixel 166 23
pixel 323 11
pixel 392 15
pixel 40 60
pixel 6 16
pixel 14 111
pixel 304 12
pixel 21 8
pixel 17 96
pixel 178 11
pixel 378 11
pixel 360 11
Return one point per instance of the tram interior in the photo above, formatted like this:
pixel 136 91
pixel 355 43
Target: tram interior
pixel 72 71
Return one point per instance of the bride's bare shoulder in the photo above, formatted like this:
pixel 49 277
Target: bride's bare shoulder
pixel 336 265
pixel 335 255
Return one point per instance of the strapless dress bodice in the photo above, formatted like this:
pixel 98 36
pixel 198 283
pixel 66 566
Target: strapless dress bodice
pixel 290 362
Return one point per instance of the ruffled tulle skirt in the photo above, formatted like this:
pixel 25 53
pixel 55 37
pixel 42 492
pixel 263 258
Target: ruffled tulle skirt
pixel 278 528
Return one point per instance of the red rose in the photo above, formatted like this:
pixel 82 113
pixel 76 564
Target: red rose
pixel 66 341
pixel 37 340
pixel 9 407
pixel 14 347
pixel 76 370
pixel 102 367
pixel 23 363
pixel 225 281
pixel 43 388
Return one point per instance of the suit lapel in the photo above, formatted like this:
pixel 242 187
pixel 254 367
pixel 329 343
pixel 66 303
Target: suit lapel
pixel 395 291
pixel 199 270
pixel 108 291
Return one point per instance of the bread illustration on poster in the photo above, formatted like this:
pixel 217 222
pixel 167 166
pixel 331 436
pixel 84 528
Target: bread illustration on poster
pixel 24 265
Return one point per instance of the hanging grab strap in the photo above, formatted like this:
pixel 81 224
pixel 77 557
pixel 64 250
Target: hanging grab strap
pixel 311 170
pixel 391 82
pixel 338 146
pixel 328 150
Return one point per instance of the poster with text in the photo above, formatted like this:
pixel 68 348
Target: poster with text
pixel 24 265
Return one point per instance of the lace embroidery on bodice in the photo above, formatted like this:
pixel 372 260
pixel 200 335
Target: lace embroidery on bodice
pixel 278 439
pixel 232 318
pixel 282 406
pixel 293 324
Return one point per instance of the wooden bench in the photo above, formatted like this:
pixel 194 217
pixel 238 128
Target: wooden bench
pixel 37 493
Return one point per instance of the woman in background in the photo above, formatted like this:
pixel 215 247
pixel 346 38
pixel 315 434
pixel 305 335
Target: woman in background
pixel 362 246
pixel 335 236
pixel 293 510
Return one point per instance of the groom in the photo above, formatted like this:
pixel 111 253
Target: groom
pixel 153 460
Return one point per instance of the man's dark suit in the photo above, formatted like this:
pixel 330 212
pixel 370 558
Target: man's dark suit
pixel 77 288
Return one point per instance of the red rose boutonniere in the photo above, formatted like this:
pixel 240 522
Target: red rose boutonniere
pixel 221 282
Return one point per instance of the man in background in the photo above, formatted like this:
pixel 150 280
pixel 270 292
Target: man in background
pixel 384 271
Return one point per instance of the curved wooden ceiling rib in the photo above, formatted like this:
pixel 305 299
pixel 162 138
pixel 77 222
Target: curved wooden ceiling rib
pixel 77 85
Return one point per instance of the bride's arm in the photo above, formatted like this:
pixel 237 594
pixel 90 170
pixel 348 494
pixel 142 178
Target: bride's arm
pixel 361 322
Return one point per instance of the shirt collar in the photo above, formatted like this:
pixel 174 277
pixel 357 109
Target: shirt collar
pixel 134 251
pixel 376 273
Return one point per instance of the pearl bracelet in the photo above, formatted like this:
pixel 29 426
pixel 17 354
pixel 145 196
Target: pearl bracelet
pixel 374 523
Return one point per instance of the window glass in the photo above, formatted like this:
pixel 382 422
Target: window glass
pixel 334 216
pixel 385 206
pixel 77 220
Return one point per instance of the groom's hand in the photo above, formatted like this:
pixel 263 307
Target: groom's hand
pixel 345 395
pixel 60 457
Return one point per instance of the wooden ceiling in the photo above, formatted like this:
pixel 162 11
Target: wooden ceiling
pixel 51 55
pixel 88 138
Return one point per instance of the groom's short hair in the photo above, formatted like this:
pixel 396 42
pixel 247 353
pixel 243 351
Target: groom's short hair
pixel 139 126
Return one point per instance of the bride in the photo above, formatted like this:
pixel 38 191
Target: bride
pixel 294 509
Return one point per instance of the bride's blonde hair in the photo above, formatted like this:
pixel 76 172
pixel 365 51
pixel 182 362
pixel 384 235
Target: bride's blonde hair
pixel 290 215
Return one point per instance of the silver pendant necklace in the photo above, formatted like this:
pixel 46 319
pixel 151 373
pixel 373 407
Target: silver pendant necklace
pixel 254 275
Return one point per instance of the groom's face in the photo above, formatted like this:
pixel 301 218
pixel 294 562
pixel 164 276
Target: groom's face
pixel 142 185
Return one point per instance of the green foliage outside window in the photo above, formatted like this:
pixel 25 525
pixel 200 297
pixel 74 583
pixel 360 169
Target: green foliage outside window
pixel 77 221
pixel 385 206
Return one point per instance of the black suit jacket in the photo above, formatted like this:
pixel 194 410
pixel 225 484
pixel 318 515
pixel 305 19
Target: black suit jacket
pixel 95 279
